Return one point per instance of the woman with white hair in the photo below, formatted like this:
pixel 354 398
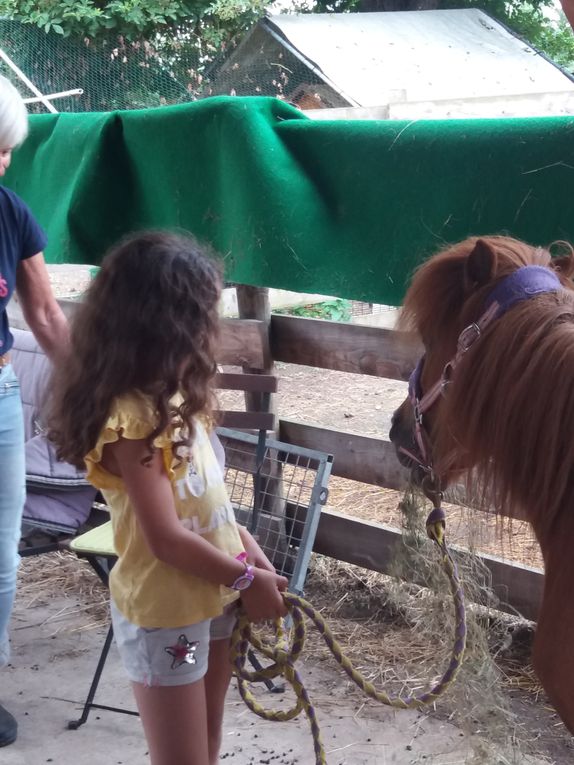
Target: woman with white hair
pixel 22 268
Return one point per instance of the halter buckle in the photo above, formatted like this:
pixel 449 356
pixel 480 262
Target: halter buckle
pixel 468 336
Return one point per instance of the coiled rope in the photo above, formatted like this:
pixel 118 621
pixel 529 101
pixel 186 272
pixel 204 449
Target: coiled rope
pixel 288 647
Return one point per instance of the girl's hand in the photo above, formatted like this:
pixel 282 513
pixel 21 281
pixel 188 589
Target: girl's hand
pixel 263 600
pixel 255 554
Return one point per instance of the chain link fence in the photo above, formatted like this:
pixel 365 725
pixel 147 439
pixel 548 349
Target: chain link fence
pixel 121 74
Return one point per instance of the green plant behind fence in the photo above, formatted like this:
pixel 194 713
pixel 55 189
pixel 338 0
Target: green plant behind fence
pixel 334 310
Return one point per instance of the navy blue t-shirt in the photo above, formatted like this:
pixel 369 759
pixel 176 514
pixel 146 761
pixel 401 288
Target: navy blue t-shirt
pixel 20 238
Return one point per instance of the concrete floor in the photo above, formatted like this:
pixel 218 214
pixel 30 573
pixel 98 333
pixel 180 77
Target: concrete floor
pixel 54 654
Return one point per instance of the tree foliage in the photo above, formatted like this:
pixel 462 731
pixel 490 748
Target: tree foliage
pixel 555 40
pixel 132 19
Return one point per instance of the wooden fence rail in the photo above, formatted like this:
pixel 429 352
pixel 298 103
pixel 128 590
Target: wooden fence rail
pixel 391 354
pixel 344 347
pixel 358 458
pixel 358 349
pixel 375 546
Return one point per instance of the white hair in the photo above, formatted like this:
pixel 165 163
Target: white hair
pixel 13 116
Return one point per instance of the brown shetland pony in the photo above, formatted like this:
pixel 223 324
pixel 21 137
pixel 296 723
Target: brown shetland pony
pixel 508 413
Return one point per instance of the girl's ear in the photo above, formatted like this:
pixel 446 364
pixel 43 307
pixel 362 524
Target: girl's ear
pixel 480 264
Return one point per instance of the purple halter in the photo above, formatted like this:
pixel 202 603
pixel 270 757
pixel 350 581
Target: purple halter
pixel 522 284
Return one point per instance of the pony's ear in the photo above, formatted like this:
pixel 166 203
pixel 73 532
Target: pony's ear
pixel 481 264
pixel 564 265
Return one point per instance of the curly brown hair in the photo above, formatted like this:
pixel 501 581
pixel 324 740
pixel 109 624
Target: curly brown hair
pixel 148 323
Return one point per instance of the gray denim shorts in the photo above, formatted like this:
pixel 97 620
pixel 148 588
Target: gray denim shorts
pixel 162 656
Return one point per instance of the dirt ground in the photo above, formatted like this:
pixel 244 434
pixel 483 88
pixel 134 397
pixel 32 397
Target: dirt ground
pixel 58 630
pixel 54 656
pixel 56 641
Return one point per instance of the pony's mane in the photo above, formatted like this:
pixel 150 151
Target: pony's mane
pixel 510 408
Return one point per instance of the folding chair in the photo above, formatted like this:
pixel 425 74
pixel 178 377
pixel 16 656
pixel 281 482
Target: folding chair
pixel 276 490
pixel 59 500
pixel 97 547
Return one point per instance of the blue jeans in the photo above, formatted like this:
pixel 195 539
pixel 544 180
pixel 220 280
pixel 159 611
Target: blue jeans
pixel 12 495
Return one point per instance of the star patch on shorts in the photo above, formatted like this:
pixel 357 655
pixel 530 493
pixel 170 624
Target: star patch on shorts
pixel 183 652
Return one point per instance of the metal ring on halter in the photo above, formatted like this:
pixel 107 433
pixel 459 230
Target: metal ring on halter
pixel 431 488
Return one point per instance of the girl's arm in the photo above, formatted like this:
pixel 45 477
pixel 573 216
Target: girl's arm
pixel 151 495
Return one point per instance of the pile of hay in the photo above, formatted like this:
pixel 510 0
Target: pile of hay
pixel 62 575
pixel 400 636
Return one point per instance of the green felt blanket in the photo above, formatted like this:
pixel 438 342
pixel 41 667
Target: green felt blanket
pixel 346 208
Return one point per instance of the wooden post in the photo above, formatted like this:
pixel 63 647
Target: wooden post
pixel 253 303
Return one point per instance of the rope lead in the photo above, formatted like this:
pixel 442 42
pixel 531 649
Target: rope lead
pixel 288 648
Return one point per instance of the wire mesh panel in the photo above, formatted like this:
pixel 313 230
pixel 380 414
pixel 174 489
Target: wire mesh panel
pixel 360 308
pixel 280 495
pixel 121 75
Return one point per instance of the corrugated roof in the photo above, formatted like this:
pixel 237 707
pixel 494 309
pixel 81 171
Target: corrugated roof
pixel 381 58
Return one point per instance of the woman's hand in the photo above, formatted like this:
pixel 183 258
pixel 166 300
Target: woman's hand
pixel 255 554
pixel 263 599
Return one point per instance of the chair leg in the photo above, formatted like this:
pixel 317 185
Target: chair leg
pixel 27 552
pixel 89 703
pixel 75 724
pixel 270 685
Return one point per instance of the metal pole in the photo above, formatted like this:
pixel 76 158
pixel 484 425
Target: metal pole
pixel 7 60
pixel 62 94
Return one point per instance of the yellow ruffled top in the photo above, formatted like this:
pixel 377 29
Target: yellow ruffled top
pixel 148 592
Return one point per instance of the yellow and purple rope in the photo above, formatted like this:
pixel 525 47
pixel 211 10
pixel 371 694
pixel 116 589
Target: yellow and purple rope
pixel 287 649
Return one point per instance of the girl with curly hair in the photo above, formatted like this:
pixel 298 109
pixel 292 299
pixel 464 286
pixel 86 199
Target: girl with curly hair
pixel 133 405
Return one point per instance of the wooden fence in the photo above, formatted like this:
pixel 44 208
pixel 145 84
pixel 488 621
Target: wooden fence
pixel 258 339
pixel 383 353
